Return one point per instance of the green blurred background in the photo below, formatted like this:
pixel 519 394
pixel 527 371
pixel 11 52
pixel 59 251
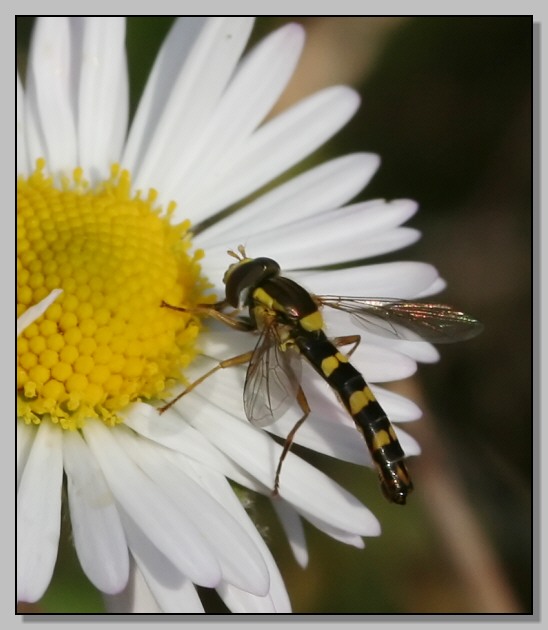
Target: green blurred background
pixel 446 103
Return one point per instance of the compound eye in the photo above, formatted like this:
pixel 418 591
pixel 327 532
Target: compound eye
pixel 229 271
pixel 245 275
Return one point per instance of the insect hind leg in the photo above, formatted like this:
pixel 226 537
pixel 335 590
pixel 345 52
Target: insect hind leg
pixel 305 408
pixel 347 340
pixel 240 359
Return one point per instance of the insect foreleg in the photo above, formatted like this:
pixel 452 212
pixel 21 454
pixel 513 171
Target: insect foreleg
pixel 303 404
pixel 214 310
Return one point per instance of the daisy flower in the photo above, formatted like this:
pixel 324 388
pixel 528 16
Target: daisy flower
pixel 113 222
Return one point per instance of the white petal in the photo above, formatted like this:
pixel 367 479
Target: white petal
pixel 39 513
pixel 168 587
pixel 172 56
pixel 103 93
pixel 379 365
pixel 324 435
pixel 163 522
pixel 22 158
pixel 408 443
pixel 218 487
pixel 169 429
pixel 338 534
pixel 178 100
pixel 353 233
pixel 294 530
pixel 300 483
pixel 136 598
pixel 238 601
pixel 437 286
pixel 417 350
pixel 25 438
pixel 219 341
pixel 98 535
pixel 321 188
pixel 163 578
pixel 274 148
pixel 34 312
pixel 183 599
pixel 51 92
pixel 306 488
pixel 240 563
pixel 397 407
pixel 248 98
pixel 394 279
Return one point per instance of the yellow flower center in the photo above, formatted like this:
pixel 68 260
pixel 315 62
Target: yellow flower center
pixel 106 341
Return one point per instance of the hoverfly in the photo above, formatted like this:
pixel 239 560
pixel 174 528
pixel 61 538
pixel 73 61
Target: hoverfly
pixel 289 324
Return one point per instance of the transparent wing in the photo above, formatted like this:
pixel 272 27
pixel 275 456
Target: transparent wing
pixel 272 380
pixel 399 319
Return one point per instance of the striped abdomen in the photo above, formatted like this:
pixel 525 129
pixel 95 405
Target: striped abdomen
pixel 366 412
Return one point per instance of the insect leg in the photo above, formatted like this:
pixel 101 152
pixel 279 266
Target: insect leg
pixel 347 340
pixel 213 310
pixel 238 360
pixel 303 404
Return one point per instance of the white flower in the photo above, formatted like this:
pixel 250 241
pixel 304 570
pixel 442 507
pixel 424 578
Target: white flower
pixel 151 507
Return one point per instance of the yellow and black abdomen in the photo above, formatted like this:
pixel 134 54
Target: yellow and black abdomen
pixel 370 419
